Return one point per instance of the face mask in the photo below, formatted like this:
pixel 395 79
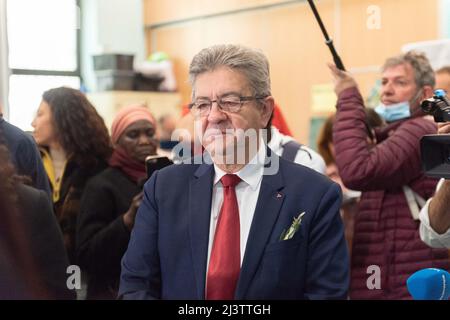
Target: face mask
pixel 394 112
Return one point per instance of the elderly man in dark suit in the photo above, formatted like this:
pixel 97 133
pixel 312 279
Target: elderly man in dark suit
pixel 239 223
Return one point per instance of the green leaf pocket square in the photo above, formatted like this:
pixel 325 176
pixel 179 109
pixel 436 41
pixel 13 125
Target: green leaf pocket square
pixel 289 233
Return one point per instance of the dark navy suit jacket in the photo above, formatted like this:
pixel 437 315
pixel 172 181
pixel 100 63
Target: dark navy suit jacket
pixel 167 253
pixel 25 155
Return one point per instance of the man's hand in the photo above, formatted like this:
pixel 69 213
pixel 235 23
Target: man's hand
pixel 342 79
pixel 439 210
pixel 444 128
pixel 130 215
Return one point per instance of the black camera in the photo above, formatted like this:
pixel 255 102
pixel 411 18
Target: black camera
pixel 438 106
pixel 435 149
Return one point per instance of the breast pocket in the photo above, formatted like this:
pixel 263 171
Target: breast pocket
pixel 283 266
pixel 284 244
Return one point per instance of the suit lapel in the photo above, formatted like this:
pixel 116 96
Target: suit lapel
pixel 267 210
pixel 200 195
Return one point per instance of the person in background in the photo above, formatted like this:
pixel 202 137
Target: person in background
pixel 350 201
pixel 34 261
pixel 443 79
pixel 286 147
pixel 167 124
pixel 24 154
pixel 435 215
pixel 111 199
pixel 389 175
pixel 326 148
pixel 16 266
pixel 75 145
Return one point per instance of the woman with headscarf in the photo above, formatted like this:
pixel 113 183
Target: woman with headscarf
pixel 74 145
pixel 111 199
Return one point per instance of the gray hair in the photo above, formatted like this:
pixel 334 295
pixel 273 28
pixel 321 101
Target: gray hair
pixel 423 72
pixel 252 63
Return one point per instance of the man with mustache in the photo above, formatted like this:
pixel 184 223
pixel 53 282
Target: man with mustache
pixel 389 174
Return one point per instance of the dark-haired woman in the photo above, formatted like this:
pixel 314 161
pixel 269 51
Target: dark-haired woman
pixel 75 145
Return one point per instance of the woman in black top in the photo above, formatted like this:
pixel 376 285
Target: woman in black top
pixel 111 199
pixel 75 145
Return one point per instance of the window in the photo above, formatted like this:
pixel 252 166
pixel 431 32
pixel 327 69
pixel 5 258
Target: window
pixel 43 42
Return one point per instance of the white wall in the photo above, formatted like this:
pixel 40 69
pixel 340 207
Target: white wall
pixel 110 26
pixel 444 17
pixel 437 50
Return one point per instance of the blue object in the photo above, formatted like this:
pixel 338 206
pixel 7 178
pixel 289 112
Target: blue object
pixel 168 144
pixel 429 284
pixel 439 93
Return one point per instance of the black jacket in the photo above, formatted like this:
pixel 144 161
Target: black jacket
pixel 67 207
pixel 102 237
pixel 45 238
pixel 25 155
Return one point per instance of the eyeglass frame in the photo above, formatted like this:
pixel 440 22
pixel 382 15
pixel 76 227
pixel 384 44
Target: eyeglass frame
pixel 242 100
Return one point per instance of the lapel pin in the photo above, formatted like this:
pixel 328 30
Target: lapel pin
pixel 279 195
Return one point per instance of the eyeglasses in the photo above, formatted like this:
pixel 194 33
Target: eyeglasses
pixel 229 103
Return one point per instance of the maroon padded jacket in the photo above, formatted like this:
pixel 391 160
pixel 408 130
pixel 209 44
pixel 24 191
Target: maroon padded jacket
pixel 385 233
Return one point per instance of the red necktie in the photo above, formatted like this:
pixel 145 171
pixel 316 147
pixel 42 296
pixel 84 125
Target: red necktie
pixel 225 260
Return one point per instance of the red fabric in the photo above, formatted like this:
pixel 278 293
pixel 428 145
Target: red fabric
pixel 385 234
pixel 278 120
pixel 133 169
pixel 185 110
pixel 225 260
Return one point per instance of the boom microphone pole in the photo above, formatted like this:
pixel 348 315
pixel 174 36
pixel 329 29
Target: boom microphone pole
pixel 328 40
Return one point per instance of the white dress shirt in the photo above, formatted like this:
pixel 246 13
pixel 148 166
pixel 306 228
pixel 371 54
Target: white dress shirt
pixel 427 234
pixel 305 156
pixel 247 192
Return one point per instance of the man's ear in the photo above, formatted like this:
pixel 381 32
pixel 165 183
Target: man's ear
pixel 266 111
pixel 427 92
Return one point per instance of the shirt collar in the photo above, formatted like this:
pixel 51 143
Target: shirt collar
pixel 252 172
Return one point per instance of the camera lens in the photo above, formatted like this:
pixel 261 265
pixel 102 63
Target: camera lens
pixel 428 106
